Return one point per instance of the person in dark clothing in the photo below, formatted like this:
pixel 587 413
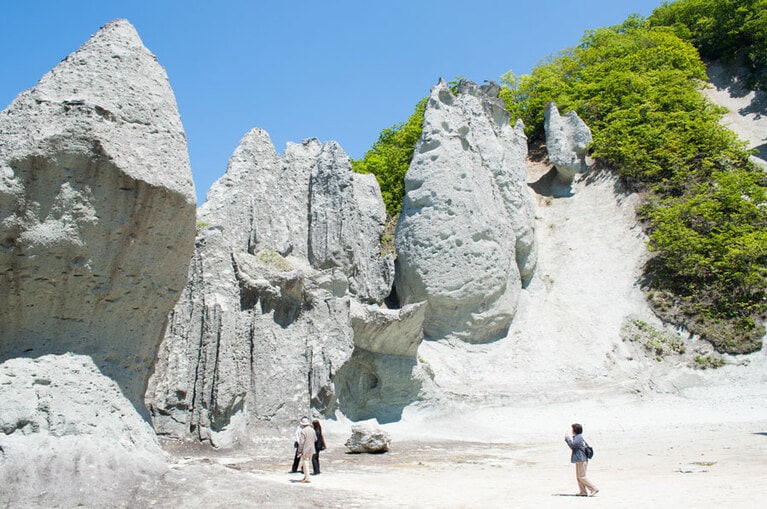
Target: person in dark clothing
pixel 319 445
pixel 296 456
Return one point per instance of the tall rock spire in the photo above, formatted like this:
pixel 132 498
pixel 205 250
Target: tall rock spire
pixel 97 210
pixel 465 238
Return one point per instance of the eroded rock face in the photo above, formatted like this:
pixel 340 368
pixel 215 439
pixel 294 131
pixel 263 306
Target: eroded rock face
pixel 307 206
pixel 69 436
pixel 346 221
pixel 251 339
pixel 388 331
pixel 368 439
pixel 262 197
pixel 97 210
pixel 264 323
pixel 465 238
pixel 567 139
pixel 382 376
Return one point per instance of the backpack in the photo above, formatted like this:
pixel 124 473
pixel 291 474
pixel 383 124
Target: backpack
pixel 588 450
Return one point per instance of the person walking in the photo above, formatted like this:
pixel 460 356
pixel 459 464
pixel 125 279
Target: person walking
pixel 319 445
pixel 578 456
pixel 306 446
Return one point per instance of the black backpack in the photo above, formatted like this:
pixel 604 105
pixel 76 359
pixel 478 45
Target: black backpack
pixel 588 450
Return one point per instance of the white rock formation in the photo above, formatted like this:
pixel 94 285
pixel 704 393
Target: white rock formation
pixel 567 139
pixel 369 439
pixel 346 221
pixel 264 323
pixel 262 197
pixel 97 210
pixel 382 376
pixel 307 205
pixel 69 436
pixel 465 238
pixel 388 331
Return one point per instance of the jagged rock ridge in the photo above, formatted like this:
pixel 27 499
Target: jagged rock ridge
pixel 291 242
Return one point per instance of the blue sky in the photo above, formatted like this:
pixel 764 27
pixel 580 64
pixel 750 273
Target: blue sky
pixel 334 70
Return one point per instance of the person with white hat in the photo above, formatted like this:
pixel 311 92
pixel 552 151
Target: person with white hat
pixel 306 446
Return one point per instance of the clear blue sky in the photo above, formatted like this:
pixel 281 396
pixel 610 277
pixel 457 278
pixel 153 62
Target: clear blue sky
pixel 335 70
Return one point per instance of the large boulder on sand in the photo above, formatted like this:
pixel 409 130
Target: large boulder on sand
pixel 97 210
pixel 367 438
pixel 465 238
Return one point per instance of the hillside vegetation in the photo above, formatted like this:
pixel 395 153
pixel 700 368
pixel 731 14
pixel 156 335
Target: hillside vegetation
pixel 722 30
pixel 637 86
pixel 390 157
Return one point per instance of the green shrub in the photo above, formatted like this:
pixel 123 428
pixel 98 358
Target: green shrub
pixel 274 260
pixel 721 29
pixel 637 86
pixel 707 361
pixel 736 336
pixel 657 342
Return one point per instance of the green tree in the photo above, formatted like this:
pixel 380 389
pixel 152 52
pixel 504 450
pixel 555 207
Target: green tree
pixel 721 29
pixel 390 157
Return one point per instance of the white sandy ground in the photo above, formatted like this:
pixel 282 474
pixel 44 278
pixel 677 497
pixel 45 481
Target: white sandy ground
pixel 665 452
pixel 666 435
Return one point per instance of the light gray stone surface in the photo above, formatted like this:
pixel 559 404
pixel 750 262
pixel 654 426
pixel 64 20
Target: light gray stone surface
pixel 307 206
pixel 97 210
pixel 382 376
pixel 465 238
pixel 388 331
pixel 346 222
pixel 262 197
pixel 248 341
pixel 567 139
pixel 368 438
pixel 69 436
pixel 264 323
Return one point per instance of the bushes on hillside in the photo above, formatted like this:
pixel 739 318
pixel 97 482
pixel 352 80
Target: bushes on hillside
pixel 636 85
pixel 721 29
pixel 390 157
